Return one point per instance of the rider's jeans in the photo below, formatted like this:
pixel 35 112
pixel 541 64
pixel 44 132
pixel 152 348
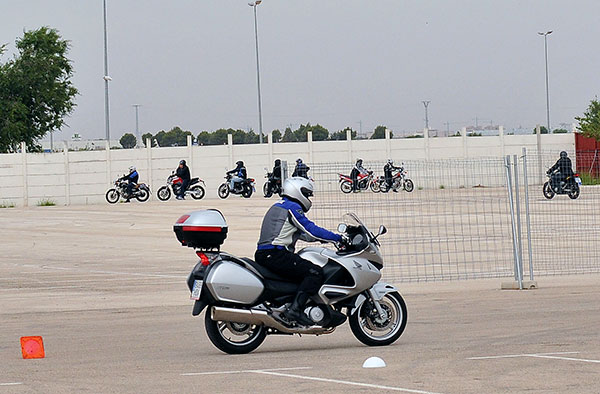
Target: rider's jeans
pixel 233 181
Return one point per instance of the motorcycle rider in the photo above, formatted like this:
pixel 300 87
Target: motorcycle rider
pixel 284 223
pixel 276 180
pixel 387 172
pixel 356 170
pixel 239 174
pixel 565 170
pixel 132 179
pixel 301 169
pixel 183 172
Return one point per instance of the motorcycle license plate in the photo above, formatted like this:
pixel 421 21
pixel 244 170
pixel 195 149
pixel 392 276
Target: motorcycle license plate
pixel 196 290
pixel 578 180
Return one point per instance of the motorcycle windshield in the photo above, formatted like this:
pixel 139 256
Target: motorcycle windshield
pixel 351 219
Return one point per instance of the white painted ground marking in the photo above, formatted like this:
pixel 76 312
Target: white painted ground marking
pixel 243 371
pixel 553 356
pixel 374 386
pixel 11 384
pixel 148 275
pixel 519 355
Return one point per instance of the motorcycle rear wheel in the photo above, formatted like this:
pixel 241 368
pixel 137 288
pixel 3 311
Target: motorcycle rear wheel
pixel 346 187
pixel 112 196
pixel 409 185
pixel 547 190
pixel 164 193
pixel 234 338
pixel 142 195
pixel 574 193
pixel 366 328
pixel 375 186
pixel 247 193
pixel 197 192
pixel 223 191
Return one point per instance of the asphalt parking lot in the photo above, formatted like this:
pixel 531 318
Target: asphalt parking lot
pixel 104 286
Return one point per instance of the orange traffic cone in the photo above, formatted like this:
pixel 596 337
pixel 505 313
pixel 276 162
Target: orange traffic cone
pixel 32 347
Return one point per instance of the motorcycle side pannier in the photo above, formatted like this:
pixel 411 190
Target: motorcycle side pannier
pixel 205 229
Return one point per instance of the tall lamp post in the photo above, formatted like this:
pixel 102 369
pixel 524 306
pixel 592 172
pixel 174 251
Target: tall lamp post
pixel 426 104
pixel 254 4
pixel 547 95
pixel 137 124
pixel 106 78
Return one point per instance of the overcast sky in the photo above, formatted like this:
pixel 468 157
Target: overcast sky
pixel 192 63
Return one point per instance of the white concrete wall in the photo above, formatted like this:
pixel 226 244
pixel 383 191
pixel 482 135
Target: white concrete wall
pixel 83 177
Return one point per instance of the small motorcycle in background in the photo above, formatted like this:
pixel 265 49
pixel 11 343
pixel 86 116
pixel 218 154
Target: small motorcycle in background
pixel 244 188
pixel 570 187
pixel 399 181
pixel 140 192
pixel 194 189
pixel 364 182
pixel 271 186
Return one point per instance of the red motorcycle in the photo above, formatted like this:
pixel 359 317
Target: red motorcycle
pixel 363 180
pixel 174 182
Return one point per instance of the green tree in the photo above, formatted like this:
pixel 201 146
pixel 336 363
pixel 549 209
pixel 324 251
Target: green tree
pixel 36 92
pixel 379 133
pixel 218 137
pixel 589 123
pixel 252 137
pixel 543 130
pixel 204 138
pixel 341 135
pixel 146 136
pixel 174 137
pixel 276 135
pixel 128 141
pixel 560 131
pixel 289 136
pixel 319 133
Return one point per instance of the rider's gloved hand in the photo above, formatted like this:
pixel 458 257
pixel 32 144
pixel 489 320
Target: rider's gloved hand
pixel 344 242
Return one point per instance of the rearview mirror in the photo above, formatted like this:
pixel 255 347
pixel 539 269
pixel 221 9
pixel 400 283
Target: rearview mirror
pixel 382 230
pixel 342 228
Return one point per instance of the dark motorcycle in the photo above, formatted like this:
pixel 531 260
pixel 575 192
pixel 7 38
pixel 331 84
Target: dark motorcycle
pixel 271 186
pixel 140 191
pixel 174 182
pixel 244 188
pixel 399 181
pixel 569 186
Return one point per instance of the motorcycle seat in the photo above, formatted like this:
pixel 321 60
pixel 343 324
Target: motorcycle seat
pixel 263 271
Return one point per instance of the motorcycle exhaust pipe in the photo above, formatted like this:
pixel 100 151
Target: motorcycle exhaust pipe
pixel 259 317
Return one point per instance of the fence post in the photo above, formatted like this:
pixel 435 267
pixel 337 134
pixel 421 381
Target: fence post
pixel 349 142
pixel 190 146
pixel 463 134
pixel 527 217
pixel 501 135
pixel 388 143
pixel 518 215
pixel 538 133
pixel 24 168
pixel 149 160
pixel 67 174
pixel 270 146
pixel 507 164
pixel 107 147
pixel 426 141
pixel 230 148
pixel 309 140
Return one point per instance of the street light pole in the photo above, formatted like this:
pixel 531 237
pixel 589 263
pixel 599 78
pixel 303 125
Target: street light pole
pixel 106 79
pixel 426 104
pixel 137 124
pixel 260 134
pixel 547 94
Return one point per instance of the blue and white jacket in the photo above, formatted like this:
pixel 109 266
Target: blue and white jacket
pixel 285 223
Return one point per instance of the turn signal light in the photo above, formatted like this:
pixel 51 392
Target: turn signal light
pixel 182 219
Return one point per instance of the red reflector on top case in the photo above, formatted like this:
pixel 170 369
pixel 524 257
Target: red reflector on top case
pixel 182 219
pixel 203 258
pixel 200 228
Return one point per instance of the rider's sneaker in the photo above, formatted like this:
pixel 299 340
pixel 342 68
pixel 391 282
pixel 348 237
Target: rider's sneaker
pixel 179 197
pixel 127 200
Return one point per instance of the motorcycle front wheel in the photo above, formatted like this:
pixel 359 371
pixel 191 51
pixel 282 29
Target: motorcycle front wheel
pixel 223 190
pixel 408 185
pixel 548 192
pixel 142 195
pixel 267 190
pixel 346 187
pixel 367 326
pixel 164 193
pixel 112 196
pixel 197 192
pixel 574 193
pixel 234 338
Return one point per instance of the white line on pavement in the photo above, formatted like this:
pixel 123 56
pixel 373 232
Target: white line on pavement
pixel 583 360
pixel 518 355
pixel 243 371
pixel 374 386
pixel 11 384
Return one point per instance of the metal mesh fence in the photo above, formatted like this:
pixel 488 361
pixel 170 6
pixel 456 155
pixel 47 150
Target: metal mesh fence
pixel 454 225
pixel 564 231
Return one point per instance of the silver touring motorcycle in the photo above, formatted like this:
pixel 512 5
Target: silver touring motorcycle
pixel 245 301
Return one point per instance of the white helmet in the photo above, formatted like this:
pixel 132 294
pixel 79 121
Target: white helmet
pixel 131 169
pixel 300 190
pixel 390 162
